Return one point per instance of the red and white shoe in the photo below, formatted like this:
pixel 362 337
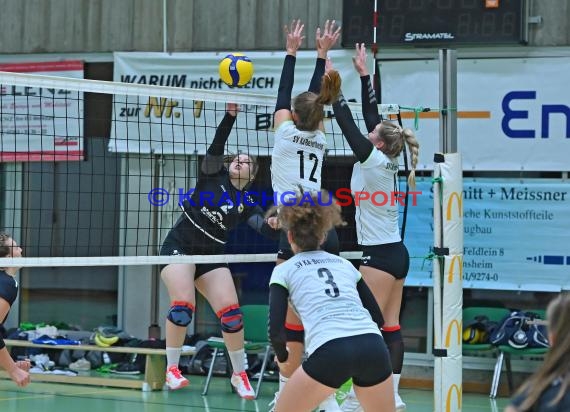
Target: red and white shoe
pixel 240 381
pixel 174 379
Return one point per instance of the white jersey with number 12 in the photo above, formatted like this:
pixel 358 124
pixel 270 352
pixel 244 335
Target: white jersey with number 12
pixel 296 160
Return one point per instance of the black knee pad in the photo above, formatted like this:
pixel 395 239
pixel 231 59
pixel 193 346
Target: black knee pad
pixel 295 335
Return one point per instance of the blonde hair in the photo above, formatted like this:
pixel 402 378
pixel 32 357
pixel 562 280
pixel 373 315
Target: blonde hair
pixel 556 363
pixel 394 138
pixel 309 107
pixel 310 218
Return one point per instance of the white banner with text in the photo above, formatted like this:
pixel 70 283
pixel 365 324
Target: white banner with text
pixel 512 234
pixel 170 126
pixel 513 114
pixel 41 124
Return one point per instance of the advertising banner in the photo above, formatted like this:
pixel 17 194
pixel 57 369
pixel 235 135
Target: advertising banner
pixel 513 114
pixel 40 124
pixel 512 231
pixel 144 124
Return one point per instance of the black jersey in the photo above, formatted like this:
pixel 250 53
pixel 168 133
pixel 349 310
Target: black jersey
pixel 217 206
pixel 8 288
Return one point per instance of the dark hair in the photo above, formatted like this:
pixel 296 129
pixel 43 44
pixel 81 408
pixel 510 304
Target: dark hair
pixel 310 218
pixel 5 250
pixel 309 107
pixel 254 164
pixel 556 363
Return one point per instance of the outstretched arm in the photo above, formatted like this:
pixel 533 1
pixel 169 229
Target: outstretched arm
pixel 214 160
pixel 283 106
pixel 324 42
pixel 278 302
pixel 360 145
pixel 368 95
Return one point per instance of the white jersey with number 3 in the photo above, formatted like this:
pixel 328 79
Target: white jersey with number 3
pixel 322 290
pixel 297 159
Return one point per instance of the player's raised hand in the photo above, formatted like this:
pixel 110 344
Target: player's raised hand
pixel 232 109
pixel 295 36
pixel 359 59
pixel 326 38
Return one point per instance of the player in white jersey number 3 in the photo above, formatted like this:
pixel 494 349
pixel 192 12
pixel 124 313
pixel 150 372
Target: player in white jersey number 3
pixel 340 316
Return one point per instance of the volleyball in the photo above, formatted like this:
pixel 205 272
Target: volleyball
pixel 236 70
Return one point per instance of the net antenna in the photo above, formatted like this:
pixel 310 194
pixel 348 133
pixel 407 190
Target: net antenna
pixel 374 48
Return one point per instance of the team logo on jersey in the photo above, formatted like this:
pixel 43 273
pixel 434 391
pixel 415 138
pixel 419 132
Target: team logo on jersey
pixel 365 259
pixel 214 216
pixel 227 206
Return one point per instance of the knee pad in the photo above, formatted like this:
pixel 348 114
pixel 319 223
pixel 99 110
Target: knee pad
pixel 180 313
pixel 231 319
pixel 295 333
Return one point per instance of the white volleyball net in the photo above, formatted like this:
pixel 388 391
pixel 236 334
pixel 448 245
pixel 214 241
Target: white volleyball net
pixel 93 171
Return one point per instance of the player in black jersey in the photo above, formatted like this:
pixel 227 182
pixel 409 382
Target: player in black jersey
pixel 18 371
pixel 216 206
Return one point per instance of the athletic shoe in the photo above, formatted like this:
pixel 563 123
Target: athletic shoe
pixel 174 378
pixel 400 405
pixel 240 381
pixel 351 404
pixel 329 405
pixel 80 365
pixel 273 402
pixel 126 369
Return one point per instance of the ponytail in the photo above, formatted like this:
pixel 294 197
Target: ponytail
pixel 310 106
pixel 414 148
pixel 330 88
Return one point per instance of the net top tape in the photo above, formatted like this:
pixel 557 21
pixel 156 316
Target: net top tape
pixel 133 89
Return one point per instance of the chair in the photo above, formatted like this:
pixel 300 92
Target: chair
pixel 256 341
pixel 491 313
pixel 505 352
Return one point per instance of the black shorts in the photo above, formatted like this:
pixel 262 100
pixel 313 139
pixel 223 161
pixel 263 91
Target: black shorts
pixel 392 258
pixel 330 245
pixel 364 358
pixel 185 239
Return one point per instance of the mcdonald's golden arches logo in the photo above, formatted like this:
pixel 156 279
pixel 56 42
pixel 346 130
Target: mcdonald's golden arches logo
pixel 458 328
pixel 459 260
pixel 458 390
pixel 459 197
